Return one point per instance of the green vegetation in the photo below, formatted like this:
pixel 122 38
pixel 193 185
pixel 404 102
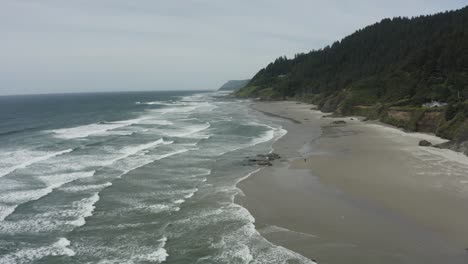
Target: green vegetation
pixel 234 85
pixel 400 62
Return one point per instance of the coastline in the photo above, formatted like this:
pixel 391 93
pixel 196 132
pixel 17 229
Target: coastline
pixel 359 192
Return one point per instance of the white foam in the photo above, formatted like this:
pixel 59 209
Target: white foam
pixel 82 209
pixel 30 158
pixel 159 256
pixel 180 201
pixel 147 159
pixel 161 103
pixel 270 134
pixel 63 244
pixel 189 130
pixel 81 188
pixel 191 193
pixel 171 154
pixel 6 210
pixel 175 110
pixel 247 176
pixel 203 172
pixel 55 181
pixel 276 229
pixel 156 208
pixel 156 122
pixel 28 255
pixel 92 129
pixel 52 182
pixel 132 150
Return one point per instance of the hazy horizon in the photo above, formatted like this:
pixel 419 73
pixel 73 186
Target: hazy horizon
pixel 53 46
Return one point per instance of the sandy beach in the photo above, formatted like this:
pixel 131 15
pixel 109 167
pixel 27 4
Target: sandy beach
pixel 359 192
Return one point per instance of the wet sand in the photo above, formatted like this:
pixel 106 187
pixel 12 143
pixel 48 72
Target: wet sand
pixel 359 192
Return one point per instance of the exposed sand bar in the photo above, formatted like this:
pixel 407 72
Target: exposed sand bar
pixel 359 192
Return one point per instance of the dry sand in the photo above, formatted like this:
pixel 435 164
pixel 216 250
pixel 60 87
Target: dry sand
pixel 360 192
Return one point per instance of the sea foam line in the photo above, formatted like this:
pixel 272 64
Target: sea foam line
pixel 129 151
pixel 92 129
pixel 32 161
pixel 28 255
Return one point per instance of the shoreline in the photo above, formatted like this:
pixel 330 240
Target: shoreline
pixel 358 192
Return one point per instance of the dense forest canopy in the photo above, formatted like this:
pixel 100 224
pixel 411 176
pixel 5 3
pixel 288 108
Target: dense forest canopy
pixel 414 60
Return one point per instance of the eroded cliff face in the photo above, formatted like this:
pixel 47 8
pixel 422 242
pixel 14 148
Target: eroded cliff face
pixel 411 118
pixel 399 115
pixel 429 121
pixel 416 119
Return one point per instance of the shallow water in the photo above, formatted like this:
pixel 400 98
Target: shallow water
pixel 130 178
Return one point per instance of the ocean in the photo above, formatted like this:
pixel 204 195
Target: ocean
pixel 134 177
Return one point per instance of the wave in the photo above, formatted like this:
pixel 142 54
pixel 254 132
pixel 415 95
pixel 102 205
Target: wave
pixel 83 208
pixel 133 150
pixel 159 256
pixel 266 136
pixel 272 133
pixel 188 193
pixel 150 159
pixel 247 176
pixel 6 210
pixel 168 103
pixel 15 198
pixel 28 255
pixel 89 187
pixel 9 200
pixel 131 254
pixel 171 154
pixel 184 107
pixel 30 159
pixel 189 130
pixel 181 109
pixel 92 129
pixel 156 122
pixel 57 218
pixel 244 243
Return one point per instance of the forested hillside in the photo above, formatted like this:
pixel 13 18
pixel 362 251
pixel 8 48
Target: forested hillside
pixel 233 85
pixel 399 63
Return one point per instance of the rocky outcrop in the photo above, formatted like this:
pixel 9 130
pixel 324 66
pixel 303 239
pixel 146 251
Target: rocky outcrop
pixel 425 143
pixel 338 122
pixel 455 146
pixel 263 159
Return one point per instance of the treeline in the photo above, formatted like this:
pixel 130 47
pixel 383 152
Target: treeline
pixel 406 60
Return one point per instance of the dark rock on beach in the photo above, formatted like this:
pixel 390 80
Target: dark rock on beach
pixel 425 143
pixel 264 163
pixel 339 122
pixel 263 159
pixel 270 156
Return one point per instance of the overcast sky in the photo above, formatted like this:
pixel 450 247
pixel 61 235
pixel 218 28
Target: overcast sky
pixel 50 46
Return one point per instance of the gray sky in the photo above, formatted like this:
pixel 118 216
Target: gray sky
pixel 110 45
